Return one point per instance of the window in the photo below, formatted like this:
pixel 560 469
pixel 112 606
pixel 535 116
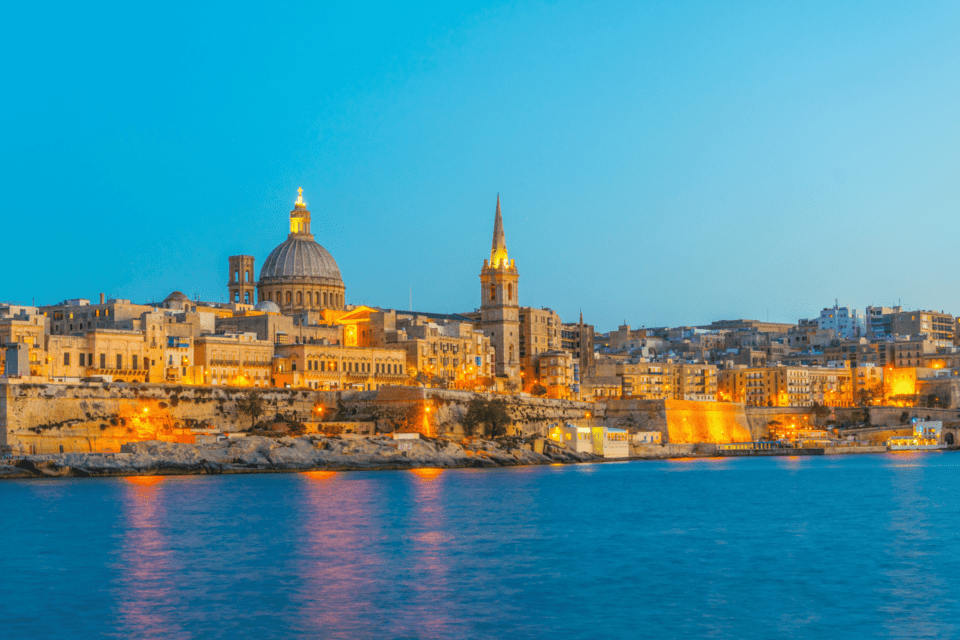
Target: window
pixel 289 297
pixel 299 297
pixel 66 359
pixel 82 363
pixel 246 297
pixel 248 275
pixel 103 361
pixel 493 291
pixel 134 362
pixel 119 361
pixel 510 291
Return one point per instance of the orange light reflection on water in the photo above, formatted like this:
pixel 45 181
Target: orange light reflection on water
pixel 145 481
pixel 145 594
pixel 427 473
pixel 319 475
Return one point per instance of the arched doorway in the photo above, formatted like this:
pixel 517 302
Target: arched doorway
pixel 948 437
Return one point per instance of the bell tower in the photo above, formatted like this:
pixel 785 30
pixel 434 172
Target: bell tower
pixel 242 283
pixel 499 305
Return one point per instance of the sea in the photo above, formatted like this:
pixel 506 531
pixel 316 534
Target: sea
pixel 860 546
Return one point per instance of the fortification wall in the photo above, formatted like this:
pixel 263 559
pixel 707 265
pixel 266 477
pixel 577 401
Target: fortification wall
pixel 42 418
pixel 680 421
pixel 406 408
pixel 890 416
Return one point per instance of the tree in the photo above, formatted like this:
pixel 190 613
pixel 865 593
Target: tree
pixel 474 415
pixel 819 412
pixel 497 417
pixel 538 390
pixel 489 417
pixel 866 396
pixel 773 428
pixel 905 417
pixel 252 404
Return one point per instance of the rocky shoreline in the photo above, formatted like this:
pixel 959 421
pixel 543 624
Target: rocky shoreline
pixel 290 454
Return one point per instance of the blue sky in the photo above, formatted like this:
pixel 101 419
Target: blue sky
pixel 661 163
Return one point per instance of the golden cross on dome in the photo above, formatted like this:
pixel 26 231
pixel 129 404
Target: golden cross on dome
pixel 299 195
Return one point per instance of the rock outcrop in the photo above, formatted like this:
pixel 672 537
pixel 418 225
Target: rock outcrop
pixel 261 454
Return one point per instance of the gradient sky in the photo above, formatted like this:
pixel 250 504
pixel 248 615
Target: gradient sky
pixel 660 163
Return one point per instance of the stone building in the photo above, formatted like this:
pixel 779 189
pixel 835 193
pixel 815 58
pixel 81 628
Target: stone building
pixel 447 347
pixel 555 372
pixel 539 333
pixel 327 367
pixel 238 359
pixel 77 316
pixel 577 338
pixel 785 386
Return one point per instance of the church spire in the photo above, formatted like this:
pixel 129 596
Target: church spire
pixel 498 252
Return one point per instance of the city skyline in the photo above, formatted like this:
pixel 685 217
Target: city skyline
pixel 690 165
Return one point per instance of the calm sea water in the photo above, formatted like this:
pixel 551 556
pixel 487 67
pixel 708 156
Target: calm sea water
pixel 818 547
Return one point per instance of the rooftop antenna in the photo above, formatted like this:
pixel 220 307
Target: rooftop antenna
pixel 411 298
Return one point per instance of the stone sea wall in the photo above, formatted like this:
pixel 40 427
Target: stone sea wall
pixel 83 418
pixel 680 421
pixel 42 418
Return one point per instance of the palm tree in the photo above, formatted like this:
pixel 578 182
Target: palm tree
pixel 252 404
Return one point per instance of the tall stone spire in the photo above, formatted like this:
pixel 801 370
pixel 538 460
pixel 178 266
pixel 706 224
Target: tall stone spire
pixel 498 252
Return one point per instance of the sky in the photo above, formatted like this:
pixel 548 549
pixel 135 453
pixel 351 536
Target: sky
pixel 657 163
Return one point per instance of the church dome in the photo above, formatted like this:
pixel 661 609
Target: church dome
pixel 300 274
pixel 268 307
pixel 176 296
pixel 301 258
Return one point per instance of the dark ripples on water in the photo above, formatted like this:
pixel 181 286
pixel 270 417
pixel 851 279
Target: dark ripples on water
pixel 862 546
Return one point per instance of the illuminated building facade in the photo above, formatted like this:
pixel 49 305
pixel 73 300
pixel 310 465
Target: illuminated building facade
pixel 318 366
pixel 787 386
pixel 236 359
pixel 539 333
pixel 555 372
pixel 446 347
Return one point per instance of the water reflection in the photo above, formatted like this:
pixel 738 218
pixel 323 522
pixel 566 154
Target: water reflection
pixel 427 474
pixel 337 562
pixel 319 475
pixel 915 591
pixel 430 577
pixel 146 595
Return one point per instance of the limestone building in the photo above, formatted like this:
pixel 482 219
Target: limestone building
pixel 437 346
pixel 327 366
pixel 499 306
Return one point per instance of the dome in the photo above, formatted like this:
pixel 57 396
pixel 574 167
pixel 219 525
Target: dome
pixel 301 258
pixel 176 296
pixel 268 307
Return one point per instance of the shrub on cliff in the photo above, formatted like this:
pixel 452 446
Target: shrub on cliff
pixel 252 405
pixel 488 417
